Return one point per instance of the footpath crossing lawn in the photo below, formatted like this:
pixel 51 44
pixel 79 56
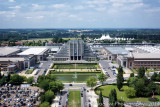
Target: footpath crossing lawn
pixel 121 94
pixel 76 66
pixel 74 99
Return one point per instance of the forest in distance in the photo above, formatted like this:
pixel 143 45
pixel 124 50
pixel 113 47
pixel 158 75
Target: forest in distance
pixel 13 35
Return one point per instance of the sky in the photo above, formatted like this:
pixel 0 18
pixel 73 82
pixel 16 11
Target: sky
pixel 79 13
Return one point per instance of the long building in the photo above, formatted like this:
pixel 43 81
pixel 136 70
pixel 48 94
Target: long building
pixel 136 60
pixel 75 50
pixel 13 64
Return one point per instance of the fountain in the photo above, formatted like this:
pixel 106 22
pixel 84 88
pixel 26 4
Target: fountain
pixel 75 77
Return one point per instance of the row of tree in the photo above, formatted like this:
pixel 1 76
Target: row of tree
pixel 15 79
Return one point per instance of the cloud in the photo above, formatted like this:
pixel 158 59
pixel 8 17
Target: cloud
pixel 2 12
pixel 59 6
pixel 40 17
pixel 37 7
pixel 15 7
pixel 28 17
pixel 79 7
pixel 153 10
pixel 11 1
pixel 125 1
pixel 98 2
pixel 101 9
pixel 75 17
pixel 11 14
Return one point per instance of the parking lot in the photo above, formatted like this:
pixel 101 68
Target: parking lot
pixel 17 96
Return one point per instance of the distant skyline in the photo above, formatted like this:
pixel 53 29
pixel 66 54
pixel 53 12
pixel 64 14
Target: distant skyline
pixel 79 13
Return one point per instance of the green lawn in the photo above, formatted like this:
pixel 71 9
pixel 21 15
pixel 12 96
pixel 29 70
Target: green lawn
pixel 76 66
pixel 29 71
pixel 61 71
pixel 84 73
pixel 121 94
pixel 74 99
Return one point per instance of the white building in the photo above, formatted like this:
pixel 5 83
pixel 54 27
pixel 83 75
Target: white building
pixel 40 53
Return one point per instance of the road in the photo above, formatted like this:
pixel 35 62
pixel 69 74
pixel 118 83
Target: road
pixel 43 66
pixel 105 65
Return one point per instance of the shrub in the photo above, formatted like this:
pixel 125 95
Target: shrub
pixel 130 92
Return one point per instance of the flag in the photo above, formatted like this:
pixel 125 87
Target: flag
pixel 75 53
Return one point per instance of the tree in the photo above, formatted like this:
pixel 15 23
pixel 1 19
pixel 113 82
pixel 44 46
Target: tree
pixel 49 96
pixel 113 98
pixel 30 80
pixel 50 77
pixel 130 92
pixel 0 74
pixel 55 39
pixel 41 78
pixel 3 80
pixel 158 77
pixel 102 77
pixel 140 88
pixel 56 86
pixel 45 104
pixel 132 81
pixel 100 103
pixel 132 75
pixel 91 81
pixel 141 72
pixel 44 84
pixel 8 76
pixel 17 79
pixel 154 76
pixel 120 78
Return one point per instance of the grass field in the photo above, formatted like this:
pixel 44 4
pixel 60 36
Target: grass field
pixel 37 39
pixel 29 71
pixel 121 94
pixel 48 39
pixel 70 38
pixel 74 99
pixel 76 66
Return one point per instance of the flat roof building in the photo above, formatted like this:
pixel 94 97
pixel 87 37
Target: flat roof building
pixel 112 52
pixel 39 52
pixel 8 51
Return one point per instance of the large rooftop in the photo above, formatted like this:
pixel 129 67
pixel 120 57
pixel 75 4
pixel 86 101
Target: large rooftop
pixel 4 51
pixel 146 56
pixel 13 59
pixel 116 50
pixel 34 51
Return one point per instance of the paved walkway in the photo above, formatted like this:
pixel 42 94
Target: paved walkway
pixel 55 101
pixel 93 98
